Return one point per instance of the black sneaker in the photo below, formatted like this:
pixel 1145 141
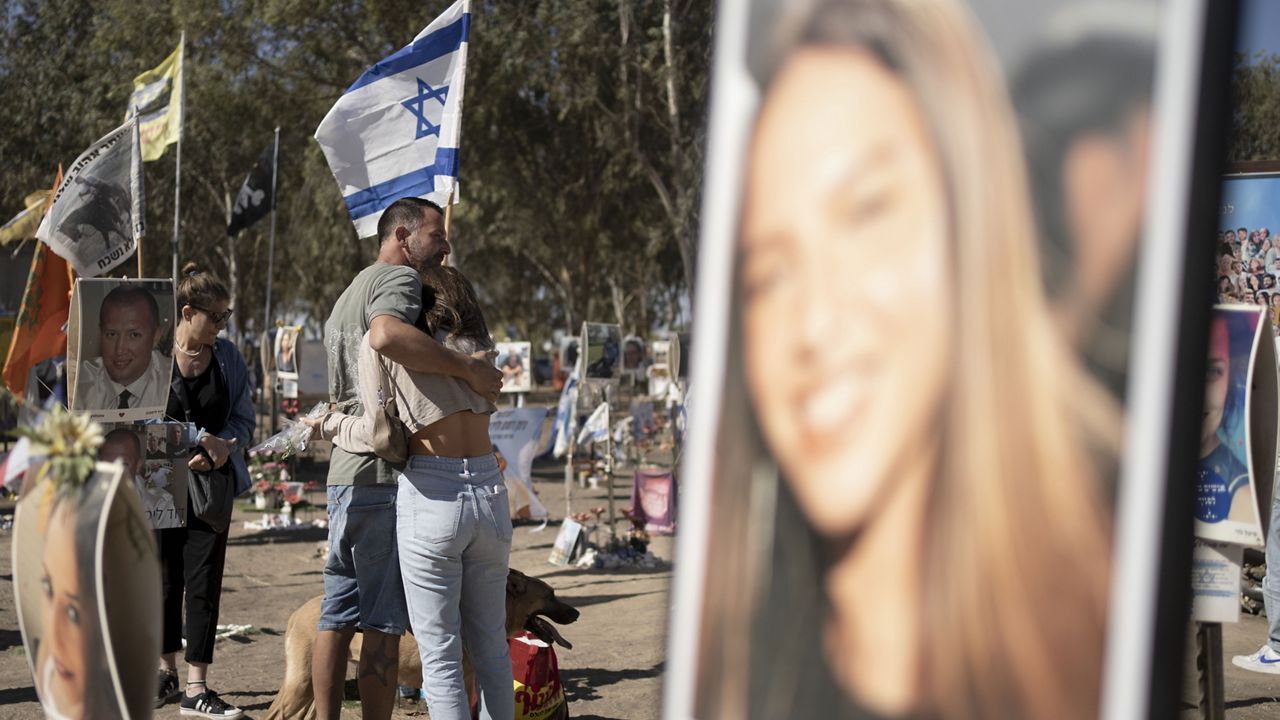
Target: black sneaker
pixel 208 705
pixel 168 688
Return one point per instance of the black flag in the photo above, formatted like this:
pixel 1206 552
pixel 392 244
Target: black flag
pixel 255 199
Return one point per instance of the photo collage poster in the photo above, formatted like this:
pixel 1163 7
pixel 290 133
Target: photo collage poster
pixel 1247 252
pixel 515 361
pixel 120 348
pixel 91 644
pixel 154 457
pixel 920 294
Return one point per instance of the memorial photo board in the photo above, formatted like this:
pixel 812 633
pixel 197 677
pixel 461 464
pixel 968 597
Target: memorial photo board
pixel 120 348
pixel 1239 412
pixel 88 597
pixel 917 312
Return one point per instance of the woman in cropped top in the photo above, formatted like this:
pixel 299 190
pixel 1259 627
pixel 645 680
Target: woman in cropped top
pixel 453 525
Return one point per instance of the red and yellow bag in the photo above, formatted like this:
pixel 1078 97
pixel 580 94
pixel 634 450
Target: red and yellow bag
pixel 539 694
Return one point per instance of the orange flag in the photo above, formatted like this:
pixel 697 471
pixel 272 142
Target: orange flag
pixel 38 331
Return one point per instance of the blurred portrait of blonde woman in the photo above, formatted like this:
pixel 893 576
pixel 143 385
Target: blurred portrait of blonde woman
pixel 923 528
pixel 71 671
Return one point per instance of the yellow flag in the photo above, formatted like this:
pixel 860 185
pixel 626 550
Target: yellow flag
pixel 157 98
pixel 23 225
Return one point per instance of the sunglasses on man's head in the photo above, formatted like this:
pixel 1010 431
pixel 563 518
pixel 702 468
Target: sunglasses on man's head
pixel 213 316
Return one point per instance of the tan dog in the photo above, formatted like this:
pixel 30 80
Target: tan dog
pixel 527 599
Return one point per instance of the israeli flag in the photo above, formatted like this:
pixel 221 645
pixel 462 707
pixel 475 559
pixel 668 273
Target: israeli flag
pixel 596 427
pixel 562 429
pixel 394 132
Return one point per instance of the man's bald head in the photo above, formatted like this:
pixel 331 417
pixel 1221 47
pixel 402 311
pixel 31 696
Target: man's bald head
pixel 128 329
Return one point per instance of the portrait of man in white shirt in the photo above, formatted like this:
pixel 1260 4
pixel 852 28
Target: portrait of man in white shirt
pixel 129 372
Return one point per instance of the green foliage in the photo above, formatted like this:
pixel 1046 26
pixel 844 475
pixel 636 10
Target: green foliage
pixel 1255 85
pixel 581 144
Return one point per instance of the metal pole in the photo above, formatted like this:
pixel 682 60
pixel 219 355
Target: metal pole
pixel 1209 666
pixel 568 474
pixel 608 474
pixel 271 245
pixel 177 167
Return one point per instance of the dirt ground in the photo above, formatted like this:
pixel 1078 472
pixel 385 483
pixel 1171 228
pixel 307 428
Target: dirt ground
pixel 613 671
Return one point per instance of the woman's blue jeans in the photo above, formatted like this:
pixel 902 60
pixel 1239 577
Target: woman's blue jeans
pixel 453 527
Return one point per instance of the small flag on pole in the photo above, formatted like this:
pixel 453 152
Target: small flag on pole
pixel 23 225
pixel 96 221
pixel 254 200
pixel 37 332
pixel 597 425
pixel 157 98
pixel 394 132
pixel 563 427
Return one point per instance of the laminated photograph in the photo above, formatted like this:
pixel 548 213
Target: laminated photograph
pixel 286 352
pixel 603 354
pixel 515 362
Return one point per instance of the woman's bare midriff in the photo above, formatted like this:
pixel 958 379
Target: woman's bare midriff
pixel 460 435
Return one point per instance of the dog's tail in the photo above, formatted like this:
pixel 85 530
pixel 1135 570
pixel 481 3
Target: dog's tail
pixel 295 700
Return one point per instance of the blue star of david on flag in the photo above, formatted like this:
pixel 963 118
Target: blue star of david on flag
pixel 416 106
pixel 373 136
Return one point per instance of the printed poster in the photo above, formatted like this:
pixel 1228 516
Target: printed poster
pixel 91 644
pixel 1226 508
pixel 120 348
pixel 154 457
pixel 919 297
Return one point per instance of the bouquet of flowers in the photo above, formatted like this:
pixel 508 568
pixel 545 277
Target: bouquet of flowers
pixel 290 441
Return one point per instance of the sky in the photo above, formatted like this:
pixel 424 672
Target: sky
pixel 1259 27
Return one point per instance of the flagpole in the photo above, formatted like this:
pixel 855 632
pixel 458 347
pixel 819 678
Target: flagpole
pixel 138 250
pixel 271 245
pixel 177 167
pixel 448 215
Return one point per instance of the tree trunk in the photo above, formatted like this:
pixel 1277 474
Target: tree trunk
pixel 236 328
pixel 680 191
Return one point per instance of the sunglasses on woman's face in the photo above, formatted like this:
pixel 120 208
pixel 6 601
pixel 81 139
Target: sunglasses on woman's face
pixel 215 317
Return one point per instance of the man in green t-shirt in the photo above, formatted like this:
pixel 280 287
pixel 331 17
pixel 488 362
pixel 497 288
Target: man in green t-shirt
pixel 362 585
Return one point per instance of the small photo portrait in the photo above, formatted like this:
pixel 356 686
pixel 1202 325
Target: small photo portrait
pixel 120 348
pixel 662 352
pixel 515 363
pixel 286 351
pixel 90 643
pixel 603 343
pixel 569 354
pixel 633 355
pixel 1224 492
pixel 154 458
